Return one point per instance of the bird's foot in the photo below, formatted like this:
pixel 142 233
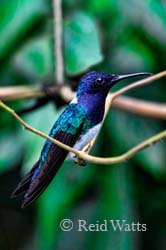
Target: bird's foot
pixel 80 162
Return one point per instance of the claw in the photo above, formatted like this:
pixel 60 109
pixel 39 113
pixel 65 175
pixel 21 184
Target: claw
pixel 80 162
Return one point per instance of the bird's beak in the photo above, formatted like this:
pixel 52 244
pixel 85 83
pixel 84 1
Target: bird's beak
pixel 118 78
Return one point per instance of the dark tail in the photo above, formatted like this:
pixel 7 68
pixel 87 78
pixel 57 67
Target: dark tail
pixel 25 182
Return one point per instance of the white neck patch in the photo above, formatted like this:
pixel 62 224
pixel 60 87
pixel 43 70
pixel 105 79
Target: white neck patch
pixel 74 101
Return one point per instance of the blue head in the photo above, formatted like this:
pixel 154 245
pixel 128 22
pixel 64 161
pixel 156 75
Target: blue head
pixel 93 89
pixel 99 83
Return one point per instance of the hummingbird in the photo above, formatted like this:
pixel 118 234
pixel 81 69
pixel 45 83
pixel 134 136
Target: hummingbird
pixel 77 125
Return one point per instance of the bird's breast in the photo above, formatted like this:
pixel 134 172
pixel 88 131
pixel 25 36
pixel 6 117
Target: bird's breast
pixel 85 138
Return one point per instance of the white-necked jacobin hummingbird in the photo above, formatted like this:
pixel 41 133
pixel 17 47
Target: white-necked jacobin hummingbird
pixel 76 126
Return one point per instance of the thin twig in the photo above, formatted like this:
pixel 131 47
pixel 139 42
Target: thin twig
pixel 58 41
pixel 141 107
pixel 139 83
pixel 26 126
pixel 83 155
pixel 129 104
pixel 146 108
pixel 26 92
pixel 21 93
pixel 124 157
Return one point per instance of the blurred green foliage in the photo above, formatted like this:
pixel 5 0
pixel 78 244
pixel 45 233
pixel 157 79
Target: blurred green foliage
pixel 113 36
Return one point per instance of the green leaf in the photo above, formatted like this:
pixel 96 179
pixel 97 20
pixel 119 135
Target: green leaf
pixel 128 130
pixel 34 60
pixel 11 148
pixel 116 203
pixel 147 15
pixel 17 17
pixel 82 50
pixel 102 8
pixel 132 54
pixel 82 44
pixel 57 201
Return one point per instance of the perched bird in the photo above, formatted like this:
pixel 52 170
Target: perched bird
pixel 76 126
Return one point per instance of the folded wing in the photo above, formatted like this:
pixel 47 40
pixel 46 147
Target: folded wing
pixel 37 180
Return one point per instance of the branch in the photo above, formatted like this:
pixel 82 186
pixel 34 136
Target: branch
pixel 35 131
pixel 20 93
pixel 141 107
pixel 139 83
pixel 124 157
pixel 58 42
pixel 83 155
pixel 146 108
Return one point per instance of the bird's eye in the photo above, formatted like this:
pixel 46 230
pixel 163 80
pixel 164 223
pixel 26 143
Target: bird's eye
pixel 100 80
